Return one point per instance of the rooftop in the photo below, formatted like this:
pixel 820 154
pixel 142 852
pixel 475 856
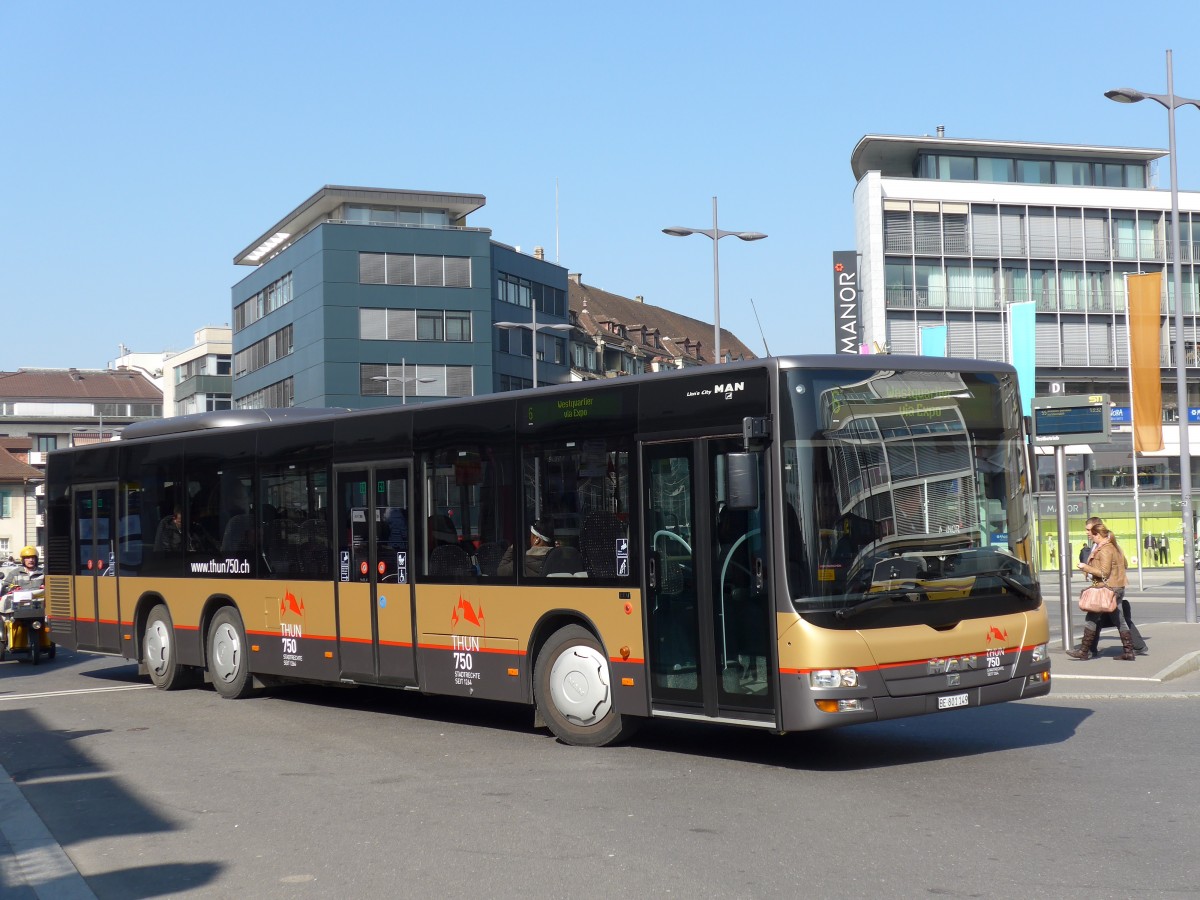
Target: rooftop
pixel 896 155
pixel 593 307
pixel 77 384
pixel 318 207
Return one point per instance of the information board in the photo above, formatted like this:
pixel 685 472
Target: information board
pixel 1062 420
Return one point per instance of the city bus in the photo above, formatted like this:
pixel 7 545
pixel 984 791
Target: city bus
pixel 785 544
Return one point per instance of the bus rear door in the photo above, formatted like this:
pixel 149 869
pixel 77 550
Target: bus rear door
pixel 97 608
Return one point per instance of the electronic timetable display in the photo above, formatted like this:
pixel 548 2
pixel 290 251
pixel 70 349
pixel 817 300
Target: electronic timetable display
pixel 1070 420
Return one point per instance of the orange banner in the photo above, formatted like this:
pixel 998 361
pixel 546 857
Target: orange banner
pixel 1145 360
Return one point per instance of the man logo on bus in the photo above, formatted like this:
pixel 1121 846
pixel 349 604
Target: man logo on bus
pixel 994 632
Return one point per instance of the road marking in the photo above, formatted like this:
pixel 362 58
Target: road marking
pixel 103 690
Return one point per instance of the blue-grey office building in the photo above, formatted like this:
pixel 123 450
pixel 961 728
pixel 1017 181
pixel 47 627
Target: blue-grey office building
pixel 366 297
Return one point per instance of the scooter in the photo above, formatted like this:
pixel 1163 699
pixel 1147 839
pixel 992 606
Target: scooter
pixel 24 625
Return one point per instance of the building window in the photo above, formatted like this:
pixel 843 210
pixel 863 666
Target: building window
pixel 279 395
pixel 43 443
pixel 262 353
pixel 523 292
pixel 269 299
pixel 430 326
pixel 410 380
pixel 5 505
pixel 414 270
pixel 413 325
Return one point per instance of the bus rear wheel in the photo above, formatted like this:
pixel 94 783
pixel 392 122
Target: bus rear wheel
pixel 228 666
pixel 572 687
pixel 158 651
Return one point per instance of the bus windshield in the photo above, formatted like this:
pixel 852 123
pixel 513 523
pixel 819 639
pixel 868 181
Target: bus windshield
pixel 903 487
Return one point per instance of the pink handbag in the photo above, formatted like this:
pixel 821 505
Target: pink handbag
pixel 1099 599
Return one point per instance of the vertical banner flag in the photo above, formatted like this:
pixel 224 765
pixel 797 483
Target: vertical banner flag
pixel 933 340
pixel 1022 332
pixel 847 313
pixel 1145 358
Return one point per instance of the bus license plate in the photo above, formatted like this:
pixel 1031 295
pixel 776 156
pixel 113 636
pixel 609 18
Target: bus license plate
pixel 954 700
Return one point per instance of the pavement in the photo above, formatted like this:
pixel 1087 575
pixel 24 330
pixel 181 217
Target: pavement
pixel 1170 669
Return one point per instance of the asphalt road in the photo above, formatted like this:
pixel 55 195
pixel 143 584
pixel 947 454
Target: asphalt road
pixel 318 792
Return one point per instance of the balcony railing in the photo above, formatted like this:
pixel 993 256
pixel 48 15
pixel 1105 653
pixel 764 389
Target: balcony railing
pixel 1150 249
pixel 982 298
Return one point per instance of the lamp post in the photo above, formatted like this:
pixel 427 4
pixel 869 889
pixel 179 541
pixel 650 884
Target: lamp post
pixel 533 327
pixel 1171 102
pixel 716 234
pixel 404 380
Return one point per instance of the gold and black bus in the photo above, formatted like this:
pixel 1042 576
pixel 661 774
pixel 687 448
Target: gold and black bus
pixel 787 544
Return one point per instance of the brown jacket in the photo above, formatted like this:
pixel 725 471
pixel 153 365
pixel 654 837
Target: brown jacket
pixel 1107 564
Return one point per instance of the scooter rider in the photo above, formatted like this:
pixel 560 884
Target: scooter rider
pixel 28 577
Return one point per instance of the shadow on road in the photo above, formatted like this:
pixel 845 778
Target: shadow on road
pixel 80 801
pixel 951 735
pixel 969 732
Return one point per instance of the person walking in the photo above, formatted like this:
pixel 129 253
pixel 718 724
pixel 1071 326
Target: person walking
pixel 1108 620
pixel 1106 565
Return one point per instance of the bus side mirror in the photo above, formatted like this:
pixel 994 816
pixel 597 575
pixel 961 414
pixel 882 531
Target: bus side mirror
pixel 742 482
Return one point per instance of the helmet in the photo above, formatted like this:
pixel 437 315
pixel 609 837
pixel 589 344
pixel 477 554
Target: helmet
pixel 28 551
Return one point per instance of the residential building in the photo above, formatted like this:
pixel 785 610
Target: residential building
pixel 360 296
pixel 615 335
pixel 200 378
pixel 20 518
pixel 952 231
pixel 45 409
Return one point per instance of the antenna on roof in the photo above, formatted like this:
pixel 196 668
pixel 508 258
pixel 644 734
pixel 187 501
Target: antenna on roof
pixel 760 331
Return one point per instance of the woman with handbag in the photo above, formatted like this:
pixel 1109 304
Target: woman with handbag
pixel 1106 565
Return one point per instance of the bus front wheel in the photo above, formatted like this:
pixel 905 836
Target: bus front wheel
pixel 228 666
pixel 572 687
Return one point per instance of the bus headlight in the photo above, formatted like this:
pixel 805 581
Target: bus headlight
pixel 1039 654
pixel 833 678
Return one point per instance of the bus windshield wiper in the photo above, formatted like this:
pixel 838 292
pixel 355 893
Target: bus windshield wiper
pixel 912 593
pixel 1005 576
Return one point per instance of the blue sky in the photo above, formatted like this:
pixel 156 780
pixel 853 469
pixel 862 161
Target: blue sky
pixel 147 143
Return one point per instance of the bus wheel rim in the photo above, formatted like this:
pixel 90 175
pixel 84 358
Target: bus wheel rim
pixel 158 647
pixel 227 653
pixel 579 685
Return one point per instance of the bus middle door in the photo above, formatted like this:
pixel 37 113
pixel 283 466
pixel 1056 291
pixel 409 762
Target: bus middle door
pixel 374 588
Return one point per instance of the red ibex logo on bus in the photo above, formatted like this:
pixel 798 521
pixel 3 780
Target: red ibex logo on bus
pixel 466 613
pixel 289 603
pixel 994 632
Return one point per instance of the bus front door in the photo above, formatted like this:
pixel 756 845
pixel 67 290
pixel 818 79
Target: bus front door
pixel 375 642
pixel 710 621
pixel 97 612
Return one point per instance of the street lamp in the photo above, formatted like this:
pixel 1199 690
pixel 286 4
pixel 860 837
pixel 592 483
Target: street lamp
pixel 1171 102
pixel 716 234
pixel 404 380
pixel 533 326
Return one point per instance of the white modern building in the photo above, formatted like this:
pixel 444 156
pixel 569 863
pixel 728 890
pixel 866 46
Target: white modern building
pixel 200 378
pixel 951 232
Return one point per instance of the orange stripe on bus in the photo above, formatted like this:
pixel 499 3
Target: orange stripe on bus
pixel 898 665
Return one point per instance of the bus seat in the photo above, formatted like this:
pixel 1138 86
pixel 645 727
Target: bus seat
pixel 489 555
pixel 450 561
pixel 564 561
pixel 598 544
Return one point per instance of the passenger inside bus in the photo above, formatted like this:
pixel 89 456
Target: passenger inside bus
pixel 541 542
